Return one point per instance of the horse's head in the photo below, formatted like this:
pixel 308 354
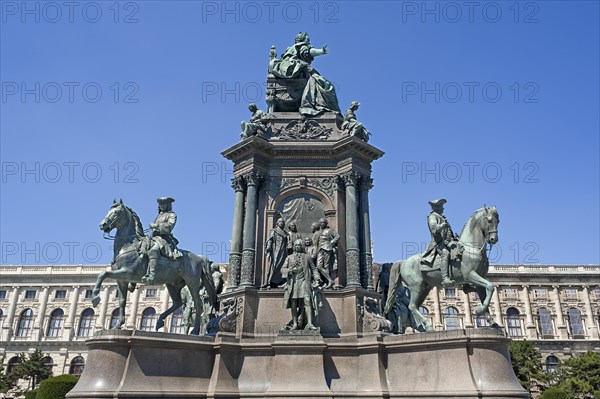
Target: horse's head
pixel 115 218
pixel 489 224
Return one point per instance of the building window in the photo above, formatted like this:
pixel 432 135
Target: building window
pixel 48 363
pixel 570 293
pixel 151 293
pixel 1 319
pixel 114 318
pixel 510 292
pixel 540 293
pixel 451 318
pixel 595 290
pixel 177 322
pixel 425 312
pixel 450 292
pixel 148 319
pixel 60 294
pixel 513 323
pixel 25 326
pixel 575 322
pixel 552 363
pixel 2 294
pixel 545 322
pixel 30 294
pixel 56 322
pixel 481 321
pixel 88 294
pixel 13 363
pixel 77 365
pixel 86 323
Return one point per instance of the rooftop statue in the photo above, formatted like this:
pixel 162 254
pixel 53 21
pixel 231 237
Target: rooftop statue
pixel 258 123
pixel 353 127
pixel 296 64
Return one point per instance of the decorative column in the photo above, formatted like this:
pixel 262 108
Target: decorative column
pixel 468 312
pixel 235 256
pixel 253 180
pixel 352 250
pixel 131 323
pixel 437 319
pixel 560 320
pixel 69 327
pixel 101 321
pixel 42 312
pixel 10 317
pixel 497 308
pixel 164 299
pixel 366 256
pixel 593 334
pixel 529 320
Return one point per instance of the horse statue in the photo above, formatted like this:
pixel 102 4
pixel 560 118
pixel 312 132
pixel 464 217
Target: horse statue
pixel 469 271
pixel 128 267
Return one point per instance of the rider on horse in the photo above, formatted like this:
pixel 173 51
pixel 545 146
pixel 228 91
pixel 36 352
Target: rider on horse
pixel 441 239
pixel 162 241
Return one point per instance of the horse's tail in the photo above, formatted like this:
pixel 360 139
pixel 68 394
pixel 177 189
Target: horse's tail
pixel 394 287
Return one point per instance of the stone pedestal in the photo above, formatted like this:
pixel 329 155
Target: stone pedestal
pixel 470 363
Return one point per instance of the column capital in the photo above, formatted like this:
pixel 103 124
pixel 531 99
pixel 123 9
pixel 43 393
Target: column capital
pixel 238 183
pixel 350 178
pixel 254 178
pixel 366 183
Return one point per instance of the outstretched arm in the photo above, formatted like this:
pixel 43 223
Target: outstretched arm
pixel 315 52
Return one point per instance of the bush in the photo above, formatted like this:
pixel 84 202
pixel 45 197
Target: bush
pixel 555 393
pixel 56 387
pixel 31 394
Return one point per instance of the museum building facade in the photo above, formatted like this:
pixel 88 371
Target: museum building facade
pixel 556 307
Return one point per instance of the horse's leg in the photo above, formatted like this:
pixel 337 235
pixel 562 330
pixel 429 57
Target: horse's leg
pixel 418 292
pixel 96 290
pixel 480 282
pixel 122 289
pixel 175 294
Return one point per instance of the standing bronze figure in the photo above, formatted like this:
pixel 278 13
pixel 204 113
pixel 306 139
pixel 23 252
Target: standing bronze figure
pixel 441 238
pixel 327 240
pixel 276 250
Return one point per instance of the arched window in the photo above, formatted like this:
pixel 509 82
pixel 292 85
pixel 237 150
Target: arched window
pixel 55 325
pixel 1 318
pixel 114 318
pixel 177 322
pixel 25 326
pixel 451 319
pixel 13 363
pixel 425 312
pixel 513 323
pixel 552 363
pixel 575 322
pixel 77 365
pixel 545 322
pixel 86 323
pixel 48 363
pixel 148 319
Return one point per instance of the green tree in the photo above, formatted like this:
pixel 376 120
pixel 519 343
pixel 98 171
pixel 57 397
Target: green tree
pixel 527 364
pixel 8 381
pixel 32 368
pixel 580 376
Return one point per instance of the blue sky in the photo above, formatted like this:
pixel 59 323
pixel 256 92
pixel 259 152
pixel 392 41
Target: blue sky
pixel 483 102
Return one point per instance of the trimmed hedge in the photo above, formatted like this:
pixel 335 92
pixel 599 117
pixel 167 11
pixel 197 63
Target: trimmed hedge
pixel 56 387
pixel 555 393
pixel 31 394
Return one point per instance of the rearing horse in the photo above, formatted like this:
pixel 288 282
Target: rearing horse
pixel 480 229
pixel 128 267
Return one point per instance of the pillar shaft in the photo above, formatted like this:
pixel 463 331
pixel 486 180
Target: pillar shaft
pixel 249 233
pixel 366 252
pixel 352 249
pixel 235 256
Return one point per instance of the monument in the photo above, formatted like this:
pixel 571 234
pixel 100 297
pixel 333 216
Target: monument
pixel 300 316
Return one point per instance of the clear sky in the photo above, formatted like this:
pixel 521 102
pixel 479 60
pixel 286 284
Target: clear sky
pixel 478 102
